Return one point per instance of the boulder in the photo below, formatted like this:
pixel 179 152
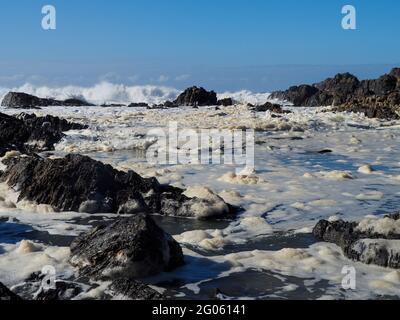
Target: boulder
pixel 27 101
pixel 7 295
pixel 81 184
pixel 29 133
pixel 371 241
pixel 131 247
pixel 298 95
pixel 128 289
pixel 226 102
pixel 196 97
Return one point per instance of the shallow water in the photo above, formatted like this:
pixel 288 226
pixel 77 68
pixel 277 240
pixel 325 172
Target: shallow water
pixel 268 252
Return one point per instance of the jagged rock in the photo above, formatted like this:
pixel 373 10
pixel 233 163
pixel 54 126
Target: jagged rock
pixel 79 183
pixel 196 97
pixel 381 107
pixel 138 105
pixel 130 247
pixel 226 102
pixel 298 95
pixel 7 295
pixel 377 98
pixel 374 241
pixel 127 289
pixel 29 133
pixel 27 101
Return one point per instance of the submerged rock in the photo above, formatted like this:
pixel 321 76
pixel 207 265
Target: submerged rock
pixel 196 97
pixel 128 289
pixel 7 295
pixel 29 133
pixel 26 101
pixel 372 241
pixel 131 247
pixel 81 184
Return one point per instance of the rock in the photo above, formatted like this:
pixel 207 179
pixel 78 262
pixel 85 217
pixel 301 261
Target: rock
pixel 381 107
pixel 268 106
pixel 27 101
pixel 7 295
pixel 372 241
pixel 225 102
pixel 113 105
pixel 376 98
pixel 130 247
pixel 29 133
pixel 127 289
pixel 196 97
pixel 138 105
pixel 81 184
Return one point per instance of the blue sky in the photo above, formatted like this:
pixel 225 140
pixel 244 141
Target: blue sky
pixel 259 45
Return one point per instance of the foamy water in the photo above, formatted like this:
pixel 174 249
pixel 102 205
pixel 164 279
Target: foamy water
pixel 292 187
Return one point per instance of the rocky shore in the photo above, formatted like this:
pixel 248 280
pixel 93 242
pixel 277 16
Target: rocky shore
pixel 377 98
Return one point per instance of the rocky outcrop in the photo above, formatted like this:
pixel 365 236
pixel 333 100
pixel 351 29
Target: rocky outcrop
pixel 79 183
pixel 26 101
pixel 348 93
pixel 130 247
pixel 372 241
pixel 382 107
pixel 7 295
pixel 128 289
pixel 29 133
pixel 196 97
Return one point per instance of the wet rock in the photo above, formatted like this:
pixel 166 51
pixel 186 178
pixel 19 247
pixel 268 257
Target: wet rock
pixel 79 183
pixel 298 95
pixel 7 295
pixel 27 101
pixel 138 105
pixel 196 97
pixel 376 98
pixel 29 133
pixel 226 102
pixel 128 289
pixel 268 106
pixel 370 242
pixel 131 247
pixel 113 105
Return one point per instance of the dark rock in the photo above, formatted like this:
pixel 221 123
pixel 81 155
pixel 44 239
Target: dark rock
pixel 196 97
pixel 377 98
pixel 7 295
pixel 124 288
pixel 138 105
pixel 131 247
pixel 23 100
pixel 29 133
pixel 79 183
pixel 382 107
pixel 268 106
pixel 367 246
pixel 113 105
pixel 226 102
pixel 298 95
